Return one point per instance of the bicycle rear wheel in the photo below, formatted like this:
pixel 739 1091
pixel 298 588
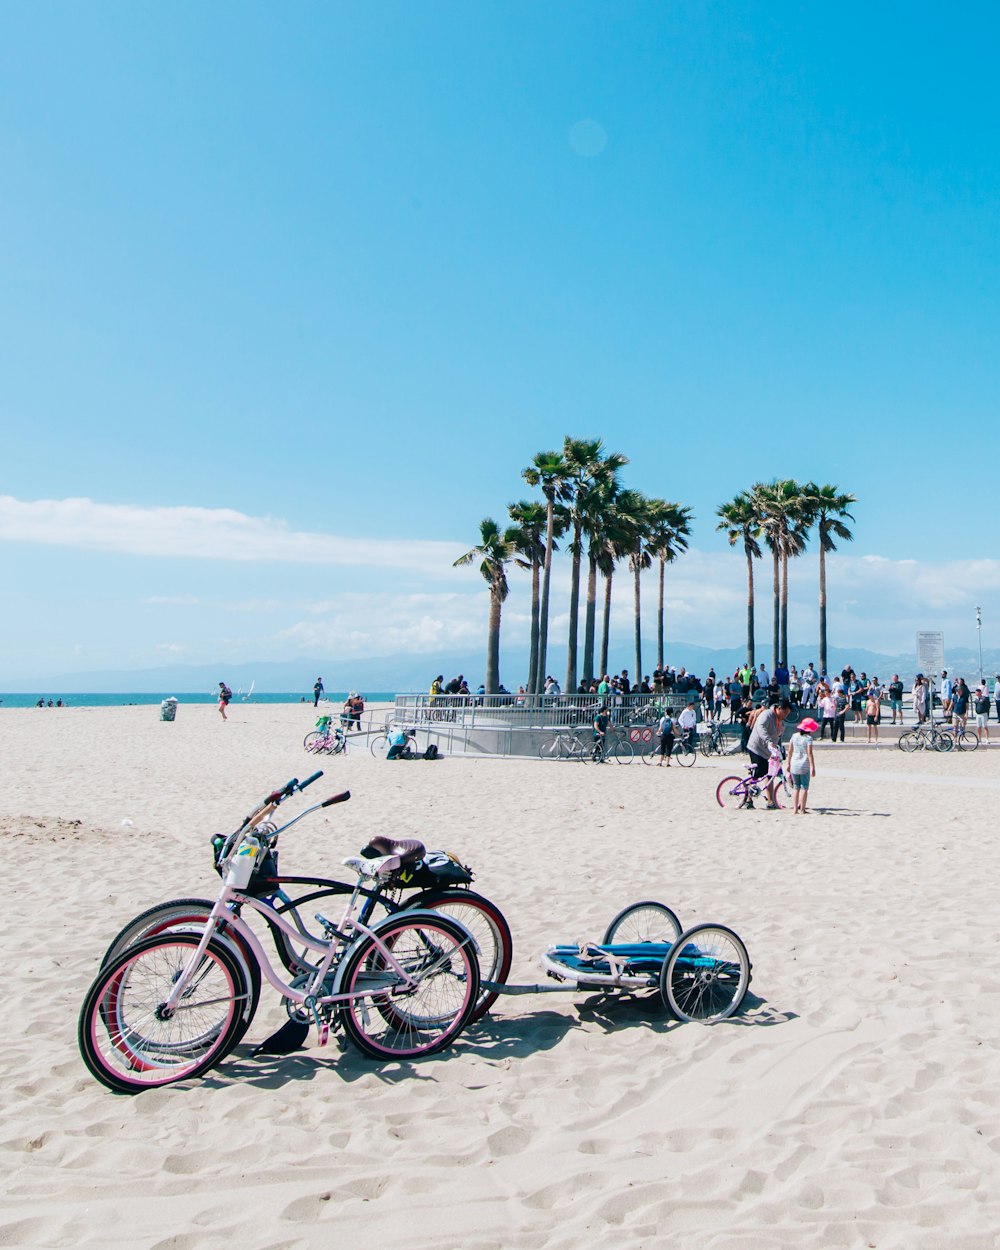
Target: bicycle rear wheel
pixel 315 741
pixel 968 740
pixel 908 741
pixel 487 924
pixel 622 752
pixel 706 975
pixel 732 792
pixel 128 1041
pixel 643 922
pixel 391 1019
pixel 379 746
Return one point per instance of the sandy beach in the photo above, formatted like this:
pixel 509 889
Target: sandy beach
pixel 853 1102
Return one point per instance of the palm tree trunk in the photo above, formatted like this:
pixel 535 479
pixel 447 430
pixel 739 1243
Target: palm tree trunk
pixel 750 607
pixel 822 604
pixel 539 675
pixel 776 621
pixel 659 619
pixel 574 613
pixel 783 640
pixel 533 653
pixel 590 622
pixel 492 682
pixel 638 624
pixel 606 631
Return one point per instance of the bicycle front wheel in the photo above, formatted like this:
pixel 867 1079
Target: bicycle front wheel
pixel 128 1040
pixel 684 755
pixel 943 742
pixel 908 741
pixel 400 1015
pixel 487 924
pixel 314 741
pixel 732 792
pixel 968 740
pixel 378 746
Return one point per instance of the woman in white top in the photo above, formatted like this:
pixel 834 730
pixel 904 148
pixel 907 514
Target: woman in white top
pixel 801 763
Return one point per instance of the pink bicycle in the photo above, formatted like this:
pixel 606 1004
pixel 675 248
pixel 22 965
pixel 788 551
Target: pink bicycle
pixel 172 1006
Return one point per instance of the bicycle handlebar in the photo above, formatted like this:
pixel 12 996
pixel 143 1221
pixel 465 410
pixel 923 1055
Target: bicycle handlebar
pixel 337 798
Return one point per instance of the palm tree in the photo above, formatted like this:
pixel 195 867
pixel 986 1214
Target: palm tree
pixel 670 528
pixel 785 526
pixel 827 507
pixel 618 540
pixel 588 466
pixel 639 558
pixel 598 510
pixel 496 548
pixel 529 535
pixel 740 518
pixel 549 471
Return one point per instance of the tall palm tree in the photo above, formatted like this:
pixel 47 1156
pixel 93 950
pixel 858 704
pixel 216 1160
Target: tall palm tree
pixel 741 520
pixel 598 511
pixel 827 508
pixel 529 537
pixel 670 528
pixel 639 558
pixel 588 466
pixel 496 549
pixel 785 526
pixel 618 540
pixel 549 471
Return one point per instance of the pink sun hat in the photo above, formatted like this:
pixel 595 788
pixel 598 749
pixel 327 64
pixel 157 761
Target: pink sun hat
pixel 808 725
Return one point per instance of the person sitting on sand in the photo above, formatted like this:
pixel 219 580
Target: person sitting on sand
pixel 801 762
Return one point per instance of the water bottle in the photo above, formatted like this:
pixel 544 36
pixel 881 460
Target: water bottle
pixel 242 864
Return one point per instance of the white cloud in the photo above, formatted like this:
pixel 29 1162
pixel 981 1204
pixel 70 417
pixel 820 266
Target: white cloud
pixel 207 534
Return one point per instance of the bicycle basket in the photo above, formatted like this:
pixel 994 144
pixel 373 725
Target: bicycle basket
pixel 263 880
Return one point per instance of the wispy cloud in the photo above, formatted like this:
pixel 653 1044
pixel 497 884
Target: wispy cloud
pixel 206 534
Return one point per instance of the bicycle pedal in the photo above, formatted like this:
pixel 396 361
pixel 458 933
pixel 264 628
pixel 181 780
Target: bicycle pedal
pixel 324 1033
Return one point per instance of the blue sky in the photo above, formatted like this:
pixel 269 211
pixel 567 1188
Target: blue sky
pixel 329 275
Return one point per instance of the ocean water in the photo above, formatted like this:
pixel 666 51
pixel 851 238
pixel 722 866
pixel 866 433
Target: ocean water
pixel 333 698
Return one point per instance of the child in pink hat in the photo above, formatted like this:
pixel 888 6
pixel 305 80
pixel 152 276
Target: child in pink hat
pixel 801 762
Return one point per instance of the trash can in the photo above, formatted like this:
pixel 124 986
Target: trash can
pixel 168 709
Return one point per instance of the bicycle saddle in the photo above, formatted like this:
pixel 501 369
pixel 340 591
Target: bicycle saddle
pixel 408 850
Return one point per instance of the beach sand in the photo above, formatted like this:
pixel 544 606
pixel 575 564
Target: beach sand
pixel 853 1103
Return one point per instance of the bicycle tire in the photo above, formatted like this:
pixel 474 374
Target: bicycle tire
pixel 685 756
pixel 706 976
pixel 622 752
pixel 124 1041
pixel 188 915
pixel 312 740
pixel 643 922
pixel 379 746
pixel 549 748
pixel 943 742
pixel 406 1024
pixel 731 792
pixel 487 924
pixel 908 742
pixel 967 740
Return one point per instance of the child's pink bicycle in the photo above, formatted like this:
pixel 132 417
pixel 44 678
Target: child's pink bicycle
pixel 742 791
pixel 172 1006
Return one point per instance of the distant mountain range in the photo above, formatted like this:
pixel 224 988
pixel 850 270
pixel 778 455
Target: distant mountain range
pixel 416 671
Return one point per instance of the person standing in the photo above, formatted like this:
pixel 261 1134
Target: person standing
pixel 871 718
pixel 840 696
pixel 946 692
pixel 765 735
pixel 982 709
pixel 828 714
pixel 960 704
pixel 601 722
pixel 920 698
pixel 225 695
pixel 317 691
pixel 802 762
pixel 666 732
pixel 688 725
pixel 896 698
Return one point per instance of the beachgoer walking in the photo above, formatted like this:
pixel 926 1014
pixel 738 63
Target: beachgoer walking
pixel 765 735
pixel 802 762
pixel 317 691
pixel 601 722
pixel 225 695
pixel 960 704
pixel 356 706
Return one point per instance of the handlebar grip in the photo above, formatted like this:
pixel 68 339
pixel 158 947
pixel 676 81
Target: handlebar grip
pixel 309 780
pixel 337 798
pixel 277 795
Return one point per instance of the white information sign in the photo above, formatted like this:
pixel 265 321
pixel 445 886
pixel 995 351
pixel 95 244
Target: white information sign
pixel 930 652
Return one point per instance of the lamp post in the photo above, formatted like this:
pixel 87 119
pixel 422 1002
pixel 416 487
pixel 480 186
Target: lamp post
pixel 979 627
